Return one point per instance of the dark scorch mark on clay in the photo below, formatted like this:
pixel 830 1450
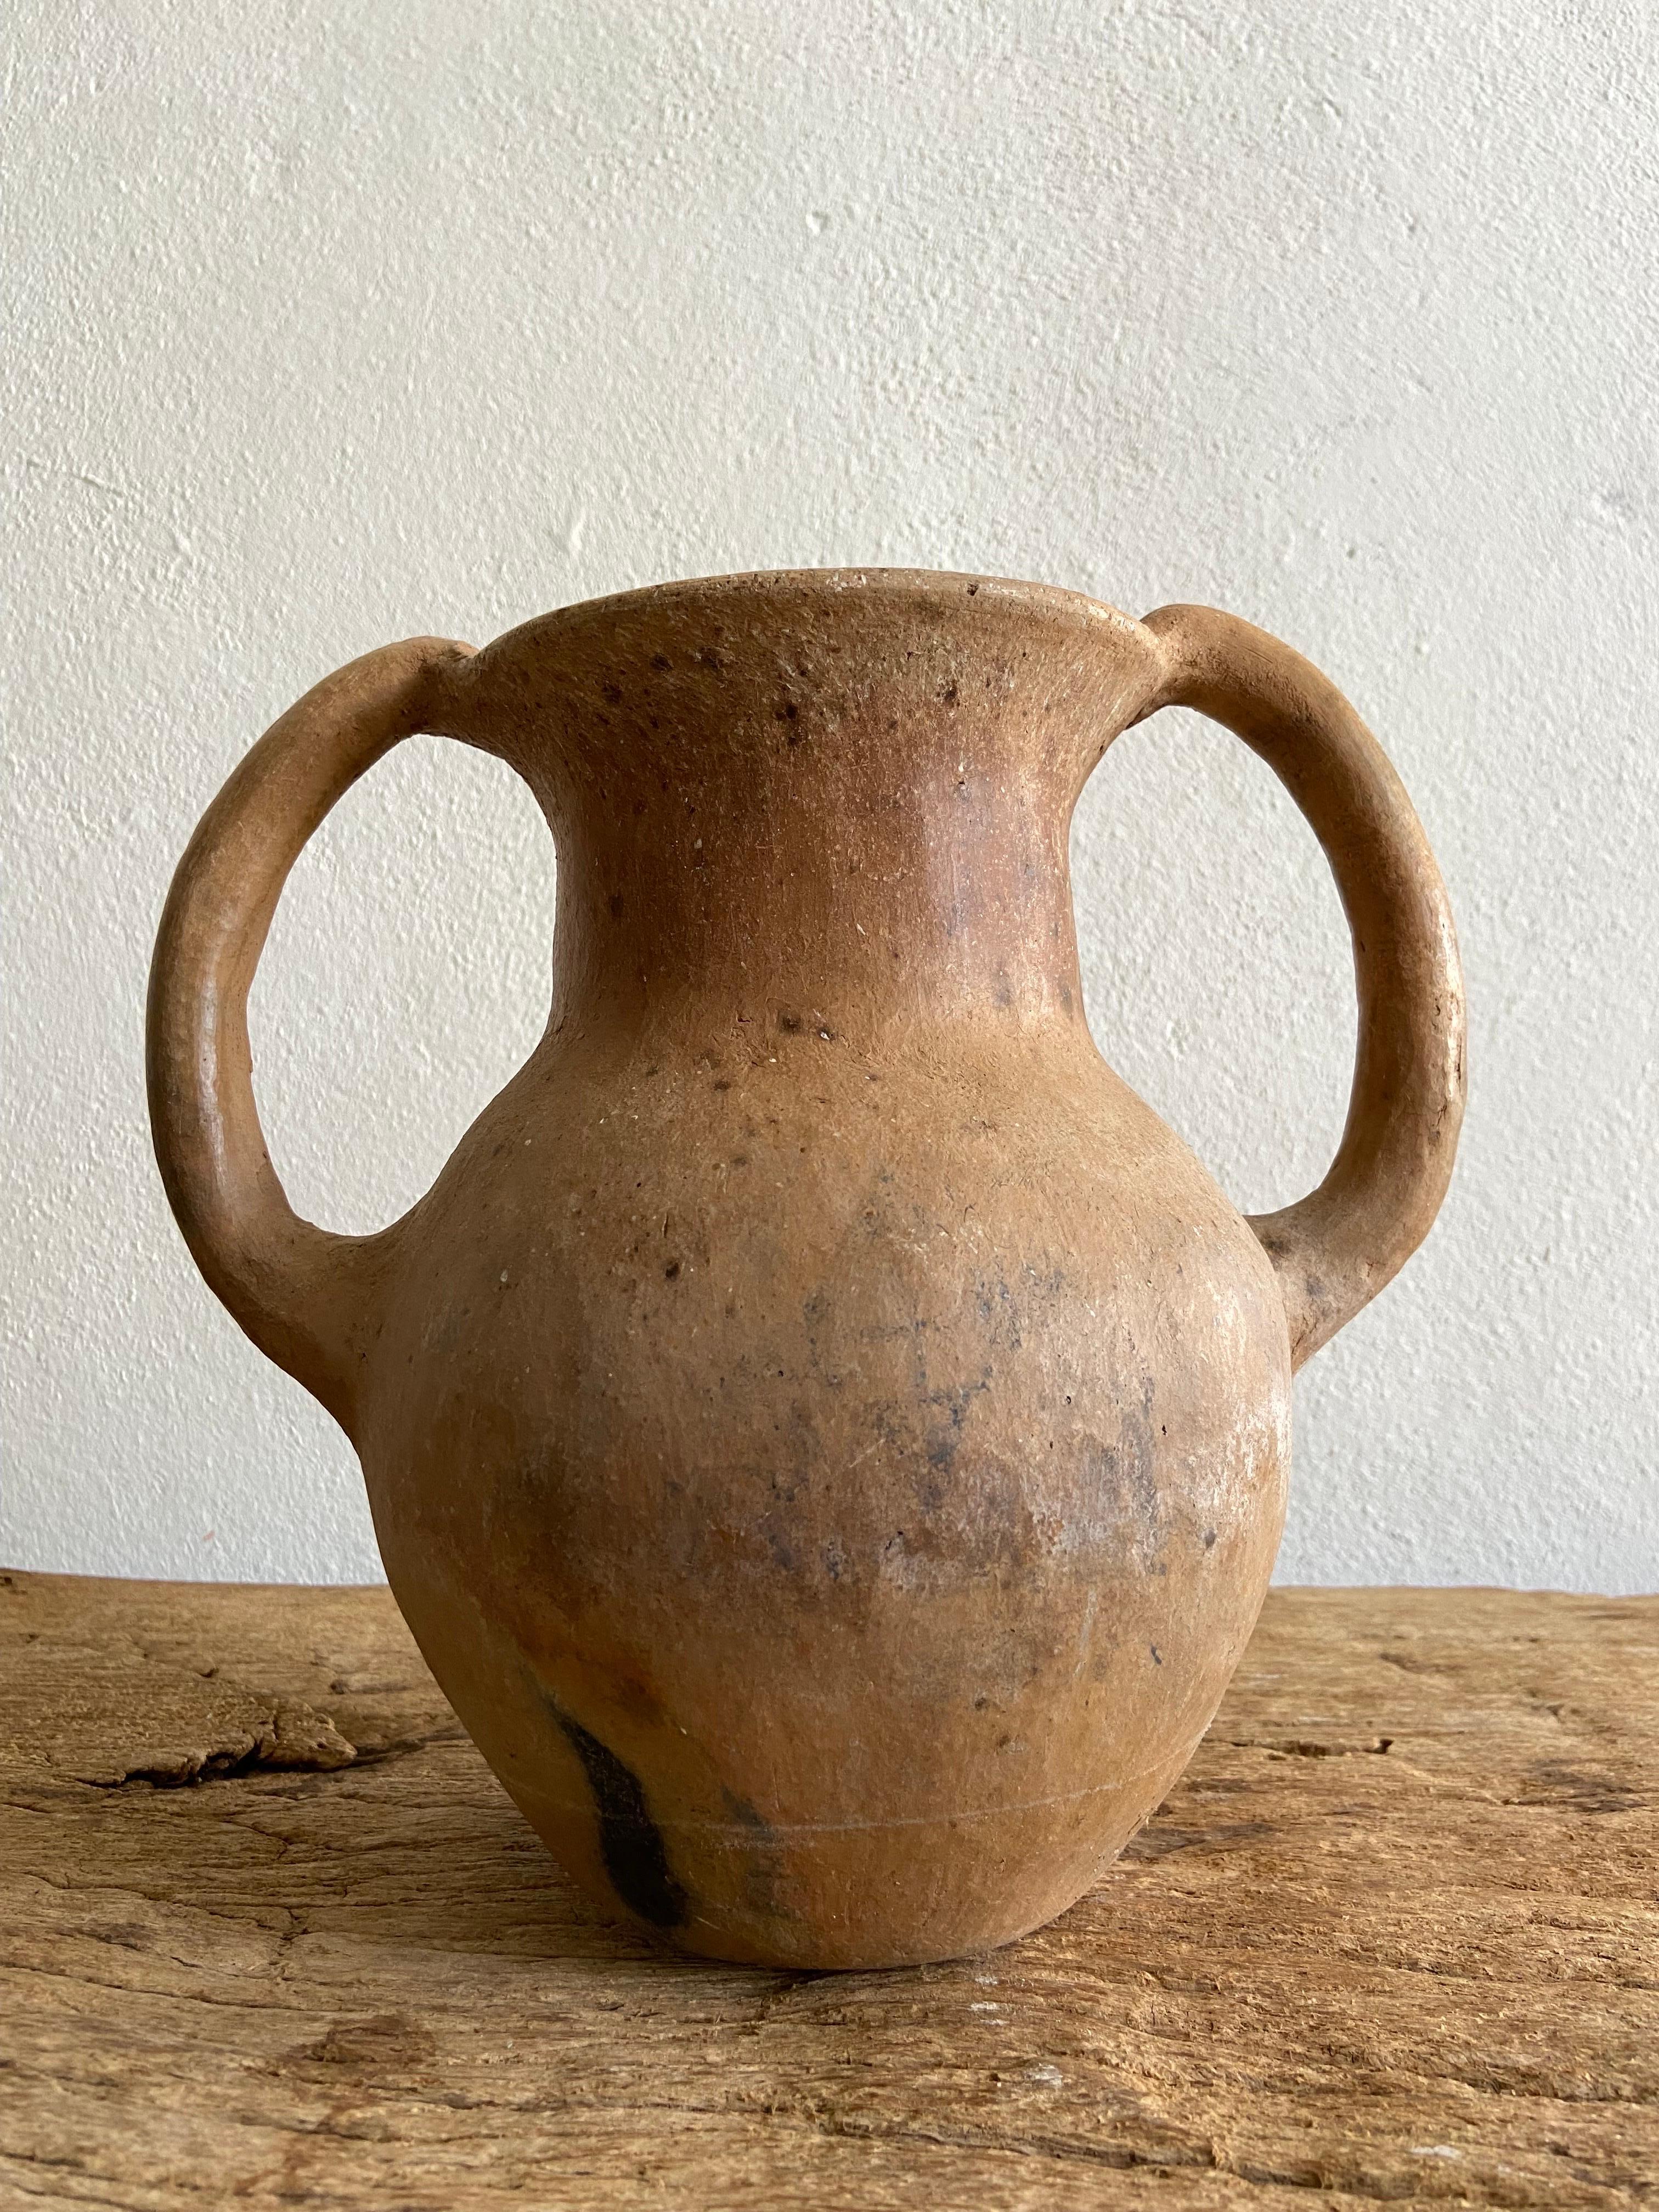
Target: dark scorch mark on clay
pixel 630 1843
pixel 762 1860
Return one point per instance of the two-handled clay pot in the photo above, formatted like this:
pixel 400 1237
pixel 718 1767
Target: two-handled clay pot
pixel 826 1434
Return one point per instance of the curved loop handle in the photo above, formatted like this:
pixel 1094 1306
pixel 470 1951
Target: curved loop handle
pixel 1334 1249
pixel 303 1295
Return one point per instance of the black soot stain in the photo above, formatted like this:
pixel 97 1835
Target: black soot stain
pixel 630 1843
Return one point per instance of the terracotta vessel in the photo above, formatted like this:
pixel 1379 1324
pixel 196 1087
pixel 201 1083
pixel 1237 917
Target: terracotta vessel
pixel 826 1434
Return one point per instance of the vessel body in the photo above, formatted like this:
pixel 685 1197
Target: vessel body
pixel 833 1494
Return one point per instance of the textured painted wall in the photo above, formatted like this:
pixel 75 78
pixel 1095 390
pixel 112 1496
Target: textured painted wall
pixel 328 326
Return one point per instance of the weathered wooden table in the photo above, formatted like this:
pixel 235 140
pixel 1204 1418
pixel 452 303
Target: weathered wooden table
pixel 272 1936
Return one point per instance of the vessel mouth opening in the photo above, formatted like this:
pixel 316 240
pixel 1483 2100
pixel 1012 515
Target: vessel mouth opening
pixel 906 590
pixel 789 666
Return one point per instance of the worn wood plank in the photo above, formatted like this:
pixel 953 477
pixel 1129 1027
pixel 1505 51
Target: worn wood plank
pixel 271 1936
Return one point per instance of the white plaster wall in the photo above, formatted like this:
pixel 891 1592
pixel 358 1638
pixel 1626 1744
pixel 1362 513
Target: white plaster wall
pixel 325 326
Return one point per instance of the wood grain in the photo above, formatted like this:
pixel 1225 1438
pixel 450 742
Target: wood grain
pixel 273 1937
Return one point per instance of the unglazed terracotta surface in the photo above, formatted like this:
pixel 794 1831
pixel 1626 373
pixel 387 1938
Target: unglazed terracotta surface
pixel 827 1435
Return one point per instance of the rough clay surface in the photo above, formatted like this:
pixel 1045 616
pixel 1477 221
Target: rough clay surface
pixel 1392 1937
pixel 1343 318
pixel 826 1436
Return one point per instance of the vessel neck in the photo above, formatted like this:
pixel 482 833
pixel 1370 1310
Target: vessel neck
pixel 819 897
pixel 820 797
